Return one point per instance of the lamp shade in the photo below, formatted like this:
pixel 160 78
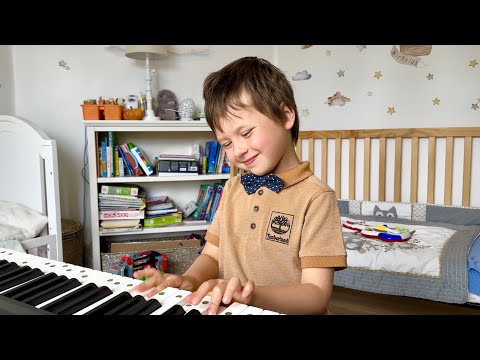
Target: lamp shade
pixel 155 52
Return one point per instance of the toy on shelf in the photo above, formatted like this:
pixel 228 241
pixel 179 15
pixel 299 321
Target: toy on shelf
pixel 381 232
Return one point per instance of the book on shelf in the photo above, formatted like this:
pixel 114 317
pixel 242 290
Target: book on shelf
pixel 132 160
pixel 177 166
pixel 153 213
pixel 143 161
pixel 192 221
pixel 160 206
pixel 120 230
pixel 163 220
pixel 120 189
pixel 121 214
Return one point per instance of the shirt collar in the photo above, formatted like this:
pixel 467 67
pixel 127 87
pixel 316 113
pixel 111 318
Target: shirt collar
pixel 295 174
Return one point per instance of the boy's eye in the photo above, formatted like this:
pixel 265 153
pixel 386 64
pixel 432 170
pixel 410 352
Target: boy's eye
pixel 227 145
pixel 246 133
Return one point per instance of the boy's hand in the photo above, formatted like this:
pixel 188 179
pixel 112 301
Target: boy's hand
pixel 223 291
pixel 157 281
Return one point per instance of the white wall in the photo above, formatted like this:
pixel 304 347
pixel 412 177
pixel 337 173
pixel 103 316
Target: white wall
pixel 50 95
pixel 404 87
pixel 6 81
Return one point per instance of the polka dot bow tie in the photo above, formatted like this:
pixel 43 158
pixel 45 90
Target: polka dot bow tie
pixel 253 182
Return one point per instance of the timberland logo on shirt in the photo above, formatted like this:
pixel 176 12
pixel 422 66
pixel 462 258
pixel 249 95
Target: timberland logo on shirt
pixel 279 228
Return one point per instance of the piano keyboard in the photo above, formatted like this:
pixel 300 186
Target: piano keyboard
pixel 31 284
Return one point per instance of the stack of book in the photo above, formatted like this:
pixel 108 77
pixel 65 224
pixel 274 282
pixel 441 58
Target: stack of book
pixel 161 211
pixel 176 164
pixel 121 207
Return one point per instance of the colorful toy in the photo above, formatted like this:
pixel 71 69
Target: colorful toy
pixel 381 232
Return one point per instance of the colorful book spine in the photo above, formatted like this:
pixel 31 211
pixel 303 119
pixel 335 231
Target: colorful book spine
pixel 119 190
pixel 121 214
pixel 131 160
pixel 143 161
pixel 104 159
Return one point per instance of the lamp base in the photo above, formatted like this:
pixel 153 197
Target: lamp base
pixel 151 118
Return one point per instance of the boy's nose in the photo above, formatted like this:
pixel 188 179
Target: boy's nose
pixel 239 150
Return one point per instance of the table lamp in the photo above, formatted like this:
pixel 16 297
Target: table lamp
pixel 147 53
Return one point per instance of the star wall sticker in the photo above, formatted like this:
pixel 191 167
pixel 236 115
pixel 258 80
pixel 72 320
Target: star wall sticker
pixel 328 52
pixel 341 73
pixel 369 93
pixel 391 110
pixel 430 77
pixel 474 106
pixel 361 47
pixel 305 113
pixel 378 75
pixel 63 64
pixel 436 101
pixel 473 63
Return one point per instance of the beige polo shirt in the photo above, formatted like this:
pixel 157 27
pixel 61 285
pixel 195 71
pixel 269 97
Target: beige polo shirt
pixel 270 237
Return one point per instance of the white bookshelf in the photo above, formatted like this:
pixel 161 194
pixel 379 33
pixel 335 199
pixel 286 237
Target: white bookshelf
pixel 153 138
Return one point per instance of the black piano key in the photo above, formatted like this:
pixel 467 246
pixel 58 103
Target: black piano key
pixel 142 307
pixel 54 291
pixel 110 304
pixel 78 299
pixel 149 308
pixel 19 276
pixel 8 267
pixel 13 293
pixel 175 310
pixel 123 308
pixel 194 312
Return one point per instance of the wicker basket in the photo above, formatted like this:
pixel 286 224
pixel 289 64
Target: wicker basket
pixel 416 50
pixel 72 242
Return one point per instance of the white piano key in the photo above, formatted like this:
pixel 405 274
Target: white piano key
pixel 252 310
pixel 233 309
pixel 171 300
pixel 268 312
pixel 201 307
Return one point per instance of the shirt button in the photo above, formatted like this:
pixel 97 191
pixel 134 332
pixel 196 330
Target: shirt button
pixel 260 192
pixel 256 208
pixel 253 226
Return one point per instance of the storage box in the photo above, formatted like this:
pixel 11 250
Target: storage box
pixel 178 260
pixel 113 112
pixel 92 112
pixel 153 245
pixel 102 112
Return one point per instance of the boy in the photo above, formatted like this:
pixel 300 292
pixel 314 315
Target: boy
pixel 276 238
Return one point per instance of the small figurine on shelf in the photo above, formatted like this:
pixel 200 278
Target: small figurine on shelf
pixel 167 105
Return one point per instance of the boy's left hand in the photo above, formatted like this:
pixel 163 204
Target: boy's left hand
pixel 223 291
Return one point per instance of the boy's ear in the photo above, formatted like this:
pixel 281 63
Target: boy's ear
pixel 289 116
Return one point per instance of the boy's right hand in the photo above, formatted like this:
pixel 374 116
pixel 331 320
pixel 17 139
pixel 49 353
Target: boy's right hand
pixel 157 281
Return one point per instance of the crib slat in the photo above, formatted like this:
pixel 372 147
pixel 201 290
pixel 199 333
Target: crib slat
pixel 351 169
pixel 298 149
pixel 311 152
pixel 366 169
pixel 467 170
pixel 431 170
pixel 447 194
pixel 397 182
pixel 414 171
pixel 382 169
pixel 324 158
pixel 338 167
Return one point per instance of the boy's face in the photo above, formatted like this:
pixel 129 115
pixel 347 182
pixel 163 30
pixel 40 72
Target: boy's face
pixel 255 143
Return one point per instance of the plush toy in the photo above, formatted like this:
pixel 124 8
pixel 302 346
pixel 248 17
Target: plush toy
pixel 167 105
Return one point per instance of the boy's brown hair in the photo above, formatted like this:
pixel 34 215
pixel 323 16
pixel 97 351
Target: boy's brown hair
pixel 263 82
